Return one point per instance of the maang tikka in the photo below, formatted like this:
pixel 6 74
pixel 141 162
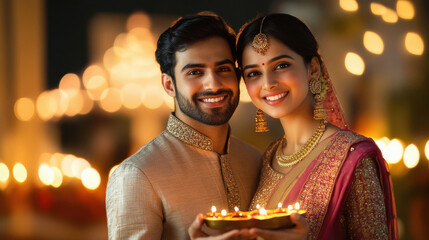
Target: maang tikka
pixel 260 41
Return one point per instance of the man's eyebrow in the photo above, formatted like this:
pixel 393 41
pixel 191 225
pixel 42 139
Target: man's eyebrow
pixel 226 61
pixel 192 65
pixel 270 61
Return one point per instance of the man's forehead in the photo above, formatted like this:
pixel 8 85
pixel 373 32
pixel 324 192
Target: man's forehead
pixel 209 51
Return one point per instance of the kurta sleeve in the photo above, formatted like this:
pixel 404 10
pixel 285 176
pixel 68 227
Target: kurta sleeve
pixel 364 212
pixel 134 210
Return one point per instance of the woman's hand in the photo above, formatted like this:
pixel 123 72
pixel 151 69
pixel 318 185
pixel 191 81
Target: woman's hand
pixel 196 233
pixel 299 232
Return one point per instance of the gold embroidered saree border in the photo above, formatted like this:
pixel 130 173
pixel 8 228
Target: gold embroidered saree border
pixel 317 191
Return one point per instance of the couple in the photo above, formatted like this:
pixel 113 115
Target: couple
pixel 338 176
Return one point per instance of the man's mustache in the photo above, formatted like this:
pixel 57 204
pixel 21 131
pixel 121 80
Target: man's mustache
pixel 211 93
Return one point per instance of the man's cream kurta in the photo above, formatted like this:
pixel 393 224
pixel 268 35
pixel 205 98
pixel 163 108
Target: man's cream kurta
pixel 157 192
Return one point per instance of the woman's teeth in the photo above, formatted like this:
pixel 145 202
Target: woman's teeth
pixel 275 97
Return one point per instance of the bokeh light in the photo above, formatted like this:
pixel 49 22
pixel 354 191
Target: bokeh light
pixel 354 63
pixel 405 9
pixel 24 109
pixel 377 9
pixel 19 172
pixel 110 100
pixel 427 150
pixel 138 20
pixel 78 165
pixel 90 178
pixel 152 98
pixel 66 165
pixel 394 151
pixel 70 83
pixel 414 43
pixel 46 174
pixel 131 95
pixel 411 156
pixel 349 5
pixel 4 173
pixel 58 177
pixel 390 16
pixel 373 42
pixel 46 105
pixel 382 145
pixel 112 170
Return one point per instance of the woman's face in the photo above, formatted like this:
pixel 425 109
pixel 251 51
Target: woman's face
pixel 278 81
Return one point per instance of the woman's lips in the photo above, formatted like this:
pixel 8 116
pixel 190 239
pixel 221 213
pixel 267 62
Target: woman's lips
pixel 275 98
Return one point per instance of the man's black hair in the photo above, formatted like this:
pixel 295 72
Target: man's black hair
pixel 189 30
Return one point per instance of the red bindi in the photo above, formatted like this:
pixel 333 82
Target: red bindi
pixel 263 64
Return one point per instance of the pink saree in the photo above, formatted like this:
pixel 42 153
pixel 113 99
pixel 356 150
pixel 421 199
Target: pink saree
pixel 323 187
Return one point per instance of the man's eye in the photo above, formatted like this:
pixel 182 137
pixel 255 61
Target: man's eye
pixel 194 72
pixel 282 65
pixel 224 69
pixel 253 74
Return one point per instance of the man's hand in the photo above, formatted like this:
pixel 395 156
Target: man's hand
pixel 299 232
pixel 196 233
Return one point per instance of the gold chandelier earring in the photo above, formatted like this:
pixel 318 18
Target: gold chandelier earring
pixel 261 122
pixel 316 89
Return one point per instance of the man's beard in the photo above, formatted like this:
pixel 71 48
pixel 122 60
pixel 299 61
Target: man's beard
pixel 217 116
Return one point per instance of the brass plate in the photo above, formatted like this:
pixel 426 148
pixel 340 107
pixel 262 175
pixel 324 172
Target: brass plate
pixel 275 221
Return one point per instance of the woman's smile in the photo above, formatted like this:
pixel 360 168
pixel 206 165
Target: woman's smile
pixel 275 98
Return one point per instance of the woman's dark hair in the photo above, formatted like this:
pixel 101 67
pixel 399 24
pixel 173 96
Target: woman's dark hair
pixel 188 30
pixel 287 29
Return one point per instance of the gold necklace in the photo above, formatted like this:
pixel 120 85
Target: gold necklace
pixel 289 161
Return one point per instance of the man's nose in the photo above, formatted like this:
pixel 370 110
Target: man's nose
pixel 212 81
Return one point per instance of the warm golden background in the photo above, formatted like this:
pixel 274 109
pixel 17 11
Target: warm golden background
pixel 80 91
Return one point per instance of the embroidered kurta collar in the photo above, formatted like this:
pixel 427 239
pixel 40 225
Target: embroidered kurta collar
pixel 189 135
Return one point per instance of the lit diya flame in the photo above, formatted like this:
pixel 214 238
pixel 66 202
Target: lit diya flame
pixel 279 205
pixel 290 207
pixel 213 210
pixel 262 212
pixel 223 212
pixel 297 206
pixel 258 206
pixel 236 209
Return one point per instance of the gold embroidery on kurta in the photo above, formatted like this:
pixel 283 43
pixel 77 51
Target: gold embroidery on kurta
pixel 231 187
pixel 188 135
pixel 196 139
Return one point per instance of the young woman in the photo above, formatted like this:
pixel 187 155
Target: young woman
pixel 337 175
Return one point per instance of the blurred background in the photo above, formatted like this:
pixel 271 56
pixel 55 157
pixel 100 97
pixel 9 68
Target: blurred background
pixel 80 91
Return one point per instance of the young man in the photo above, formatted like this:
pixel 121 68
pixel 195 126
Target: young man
pixel 194 163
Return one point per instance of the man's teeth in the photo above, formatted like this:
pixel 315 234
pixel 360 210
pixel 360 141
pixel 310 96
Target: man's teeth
pixel 273 98
pixel 212 100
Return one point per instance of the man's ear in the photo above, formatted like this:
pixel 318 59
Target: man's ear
pixel 314 68
pixel 167 83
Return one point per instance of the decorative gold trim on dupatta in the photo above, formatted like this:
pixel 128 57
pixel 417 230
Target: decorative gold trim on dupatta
pixel 317 191
pixel 268 180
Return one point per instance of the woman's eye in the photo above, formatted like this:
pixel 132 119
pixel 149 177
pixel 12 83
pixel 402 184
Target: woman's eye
pixel 253 74
pixel 282 65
